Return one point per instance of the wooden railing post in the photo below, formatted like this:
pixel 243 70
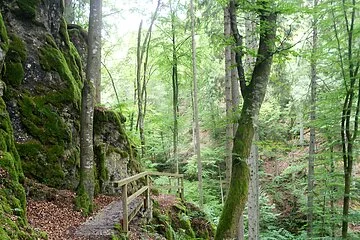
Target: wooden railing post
pixel 125 209
pixel 148 205
pixel 169 184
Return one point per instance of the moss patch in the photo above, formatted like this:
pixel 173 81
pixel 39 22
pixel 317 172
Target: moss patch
pixel 183 220
pixel 4 39
pixel 101 173
pixel 44 159
pixel 14 74
pixel 28 8
pixel 15 58
pixel 72 56
pixel 103 115
pixel 43 162
pixel 17 50
pixel 43 121
pixel 83 201
pixel 52 59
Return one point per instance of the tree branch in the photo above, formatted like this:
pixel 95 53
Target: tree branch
pixel 238 47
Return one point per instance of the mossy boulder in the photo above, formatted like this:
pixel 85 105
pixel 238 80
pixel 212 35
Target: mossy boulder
pixel 181 220
pixel 44 76
pixel 114 155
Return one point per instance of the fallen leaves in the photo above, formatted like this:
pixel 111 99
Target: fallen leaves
pixel 57 215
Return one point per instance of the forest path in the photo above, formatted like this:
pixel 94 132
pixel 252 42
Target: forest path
pixel 101 226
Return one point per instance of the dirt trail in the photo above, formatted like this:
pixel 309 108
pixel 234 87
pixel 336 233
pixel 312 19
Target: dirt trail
pixel 101 226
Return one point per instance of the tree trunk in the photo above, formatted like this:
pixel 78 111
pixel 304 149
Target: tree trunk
pixel 253 94
pixel 140 118
pixel 175 90
pixel 349 118
pixel 141 85
pixel 235 93
pixel 253 203
pixel 228 100
pixel 333 191
pixel 86 186
pixel 196 111
pixel 312 146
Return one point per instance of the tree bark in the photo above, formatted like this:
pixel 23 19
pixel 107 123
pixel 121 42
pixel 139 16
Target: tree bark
pixel 93 72
pixel 175 90
pixel 228 100
pixel 312 146
pixel 140 118
pixel 253 203
pixel 196 111
pixel 253 94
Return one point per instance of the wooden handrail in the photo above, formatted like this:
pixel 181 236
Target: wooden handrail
pixel 127 180
pixel 126 200
pixel 166 174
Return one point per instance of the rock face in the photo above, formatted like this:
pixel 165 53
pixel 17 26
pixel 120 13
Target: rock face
pixel 12 195
pixel 43 76
pixel 114 155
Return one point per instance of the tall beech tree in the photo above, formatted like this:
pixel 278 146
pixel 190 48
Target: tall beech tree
pixel 93 72
pixel 253 92
pixel 312 144
pixel 228 99
pixel 175 88
pixel 196 109
pixel 347 55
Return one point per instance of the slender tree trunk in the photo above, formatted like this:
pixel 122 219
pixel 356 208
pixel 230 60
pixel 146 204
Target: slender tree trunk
pixel 196 111
pixel 235 92
pixel 175 90
pixel 86 185
pixel 228 100
pixel 112 83
pixel 312 146
pixel 350 118
pixel 141 83
pixel 140 118
pixel 253 202
pixel 253 94
pixel 333 191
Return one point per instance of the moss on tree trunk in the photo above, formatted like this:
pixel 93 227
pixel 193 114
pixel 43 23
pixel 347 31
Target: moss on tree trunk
pixel 253 92
pixel 238 191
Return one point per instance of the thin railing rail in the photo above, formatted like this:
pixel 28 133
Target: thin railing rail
pixel 145 190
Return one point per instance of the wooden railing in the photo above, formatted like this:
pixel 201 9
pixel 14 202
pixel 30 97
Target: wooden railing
pixel 127 200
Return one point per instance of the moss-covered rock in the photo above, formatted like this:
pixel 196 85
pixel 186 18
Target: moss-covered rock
pixel 52 59
pixel 114 156
pixel 181 221
pixel 44 76
pixel 12 195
